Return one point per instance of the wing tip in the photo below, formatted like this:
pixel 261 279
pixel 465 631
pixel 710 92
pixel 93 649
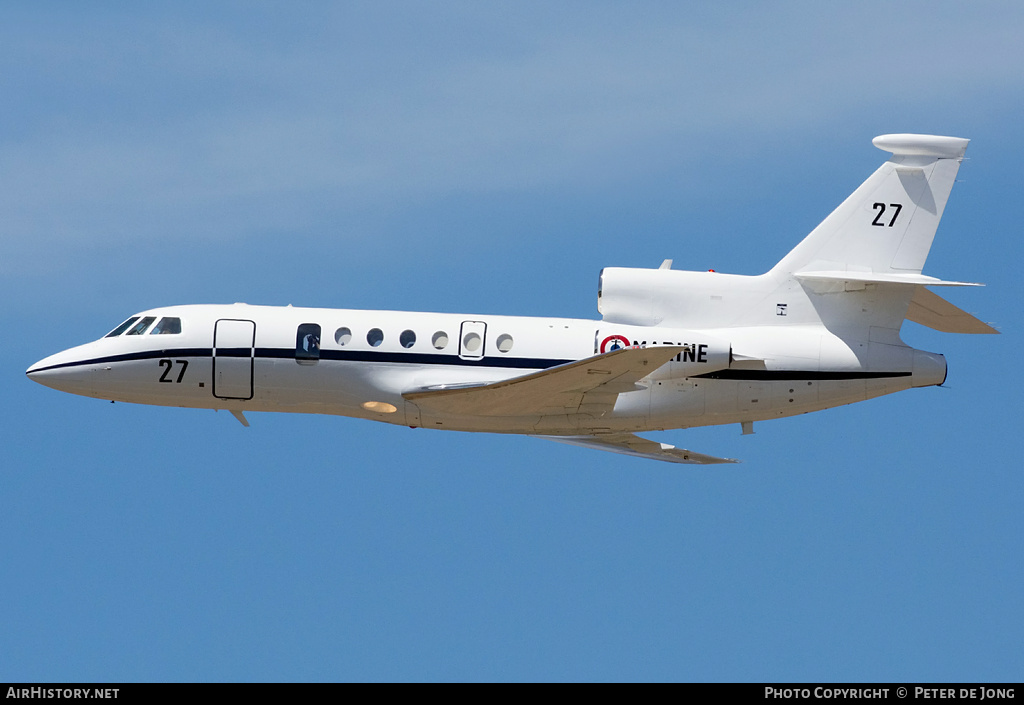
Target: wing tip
pixel 639 447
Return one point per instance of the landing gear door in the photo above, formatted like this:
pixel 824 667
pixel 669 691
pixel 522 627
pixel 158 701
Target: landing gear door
pixel 471 340
pixel 233 346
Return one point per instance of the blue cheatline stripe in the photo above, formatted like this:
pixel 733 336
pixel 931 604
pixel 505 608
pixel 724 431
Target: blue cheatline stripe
pixel 411 358
pixel 530 363
pixel 232 352
pixel 127 357
pixel 796 375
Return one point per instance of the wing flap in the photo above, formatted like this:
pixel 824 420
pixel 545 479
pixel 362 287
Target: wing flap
pixel 587 386
pixel 630 444
pixel 931 310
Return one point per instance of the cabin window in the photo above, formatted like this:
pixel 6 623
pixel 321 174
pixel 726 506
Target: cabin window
pixel 504 342
pixel 439 340
pixel 375 337
pixel 167 326
pixel 121 328
pixel 343 336
pixel 471 341
pixel 307 343
pixel 407 339
pixel 140 327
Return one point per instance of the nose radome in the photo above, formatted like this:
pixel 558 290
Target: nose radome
pixel 37 372
pixel 44 376
pixel 67 371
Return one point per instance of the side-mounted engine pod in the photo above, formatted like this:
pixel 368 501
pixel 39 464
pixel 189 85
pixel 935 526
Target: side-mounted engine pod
pixel 677 298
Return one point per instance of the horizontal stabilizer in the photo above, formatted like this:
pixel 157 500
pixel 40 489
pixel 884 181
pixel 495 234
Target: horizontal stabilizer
pixel 879 278
pixel 931 310
pixel 629 444
pixel 588 386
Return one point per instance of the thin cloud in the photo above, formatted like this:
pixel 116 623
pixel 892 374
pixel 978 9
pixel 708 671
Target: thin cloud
pixel 167 123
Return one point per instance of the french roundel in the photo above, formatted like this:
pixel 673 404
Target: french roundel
pixel 614 342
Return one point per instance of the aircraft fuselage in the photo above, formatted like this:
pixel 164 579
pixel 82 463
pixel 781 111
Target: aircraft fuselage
pixel 359 364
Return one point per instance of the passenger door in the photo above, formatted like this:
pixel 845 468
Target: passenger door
pixel 234 344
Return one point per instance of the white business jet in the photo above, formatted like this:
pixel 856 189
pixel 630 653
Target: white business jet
pixel 673 349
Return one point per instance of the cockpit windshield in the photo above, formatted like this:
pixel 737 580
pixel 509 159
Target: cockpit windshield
pixel 121 328
pixel 140 327
pixel 137 325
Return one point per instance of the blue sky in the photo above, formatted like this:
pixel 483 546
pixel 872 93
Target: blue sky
pixel 490 158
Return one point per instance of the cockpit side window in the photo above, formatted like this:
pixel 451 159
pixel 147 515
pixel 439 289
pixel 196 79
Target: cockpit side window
pixel 167 326
pixel 140 327
pixel 121 328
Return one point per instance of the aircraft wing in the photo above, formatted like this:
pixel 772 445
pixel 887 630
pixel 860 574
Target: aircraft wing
pixel 587 386
pixel 930 309
pixel 629 444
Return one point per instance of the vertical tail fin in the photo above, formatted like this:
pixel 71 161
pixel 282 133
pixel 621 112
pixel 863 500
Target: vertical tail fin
pixel 887 225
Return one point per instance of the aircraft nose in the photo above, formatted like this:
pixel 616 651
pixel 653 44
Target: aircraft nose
pixel 38 371
pixel 64 372
pixel 46 371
